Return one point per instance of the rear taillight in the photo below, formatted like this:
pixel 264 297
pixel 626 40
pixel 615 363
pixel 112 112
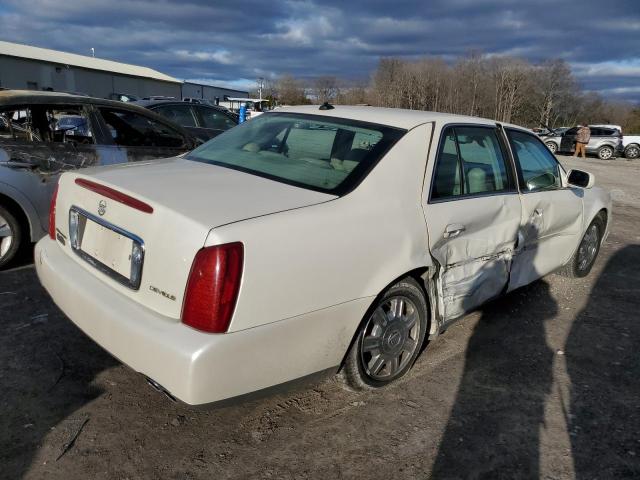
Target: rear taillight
pixel 52 214
pixel 212 288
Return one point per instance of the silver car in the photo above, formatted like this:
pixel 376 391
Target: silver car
pixel 43 134
pixel 606 143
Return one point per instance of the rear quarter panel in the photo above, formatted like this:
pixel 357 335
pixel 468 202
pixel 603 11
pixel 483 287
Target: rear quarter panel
pixel 312 258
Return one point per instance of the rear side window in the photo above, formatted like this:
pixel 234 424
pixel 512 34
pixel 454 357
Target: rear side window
pixel 538 169
pixel 178 114
pixel 470 162
pixel 131 129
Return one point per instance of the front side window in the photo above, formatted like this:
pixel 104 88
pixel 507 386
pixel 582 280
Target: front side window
pixel 538 169
pixel 212 118
pixel 331 155
pixel 131 129
pixel 178 114
pixel 470 162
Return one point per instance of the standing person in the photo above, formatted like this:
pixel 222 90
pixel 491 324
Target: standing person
pixel 582 138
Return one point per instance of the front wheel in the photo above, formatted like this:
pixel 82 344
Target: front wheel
pixel 583 259
pixel 632 151
pixel 605 153
pixel 389 339
pixel 552 146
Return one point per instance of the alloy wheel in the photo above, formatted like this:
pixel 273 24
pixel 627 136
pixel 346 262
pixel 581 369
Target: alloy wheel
pixel 632 152
pixel 588 248
pixel 390 338
pixel 6 236
pixel 605 153
pixel 552 146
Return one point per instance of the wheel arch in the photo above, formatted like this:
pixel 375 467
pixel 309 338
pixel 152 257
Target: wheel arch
pixel 422 275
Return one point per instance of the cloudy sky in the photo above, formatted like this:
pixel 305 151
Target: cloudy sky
pixel 235 42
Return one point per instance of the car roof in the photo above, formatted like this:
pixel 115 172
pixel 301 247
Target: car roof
pixel 153 103
pixel 22 97
pixel 394 117
pixel 29 97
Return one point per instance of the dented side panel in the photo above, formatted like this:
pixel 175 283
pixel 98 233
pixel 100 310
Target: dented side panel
pixel 475 263
pixel 551 230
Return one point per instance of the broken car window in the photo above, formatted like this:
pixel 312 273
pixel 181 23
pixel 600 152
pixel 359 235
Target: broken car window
pixel 16 124
pixel 131 129
pixel 40 123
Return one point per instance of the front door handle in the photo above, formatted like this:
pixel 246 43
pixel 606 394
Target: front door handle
pixel 453 230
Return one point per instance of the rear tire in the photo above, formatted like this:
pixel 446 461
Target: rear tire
pixel 585 256
pixel 389 338
pixel 605 153
pixel 632 151
pixel 10 236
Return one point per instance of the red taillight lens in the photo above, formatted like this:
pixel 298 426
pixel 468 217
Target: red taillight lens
pixel 52 214
pixel 212 289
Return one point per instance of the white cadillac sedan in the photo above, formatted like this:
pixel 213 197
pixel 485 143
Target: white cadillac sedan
pixel 311 240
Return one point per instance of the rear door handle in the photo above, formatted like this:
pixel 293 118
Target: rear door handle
pixel 453 230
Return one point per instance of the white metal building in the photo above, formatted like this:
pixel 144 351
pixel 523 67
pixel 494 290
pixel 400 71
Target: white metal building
pixel 33 68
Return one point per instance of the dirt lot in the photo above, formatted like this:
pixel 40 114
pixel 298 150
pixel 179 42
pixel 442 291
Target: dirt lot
pixel 542 383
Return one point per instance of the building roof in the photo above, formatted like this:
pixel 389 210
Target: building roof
pixel 93 63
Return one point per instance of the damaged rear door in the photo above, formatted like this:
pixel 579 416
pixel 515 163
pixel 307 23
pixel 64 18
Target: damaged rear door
pixel 473 214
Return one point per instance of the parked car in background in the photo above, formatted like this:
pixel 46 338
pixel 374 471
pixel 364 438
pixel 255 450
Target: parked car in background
pixel 311 240
pixel 43 134
pixel 605 142
pixel 254 106
pixel 552 137
pixel 202 121
pixel 123 97
pixel 631 144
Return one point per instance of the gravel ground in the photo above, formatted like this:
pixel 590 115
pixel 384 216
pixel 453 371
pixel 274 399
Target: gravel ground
pixel 542 383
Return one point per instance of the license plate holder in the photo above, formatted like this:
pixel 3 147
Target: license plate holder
pixel 112 250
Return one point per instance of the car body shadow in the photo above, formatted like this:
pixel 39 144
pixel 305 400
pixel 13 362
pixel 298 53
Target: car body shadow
pixel 604 367
pixel 494 427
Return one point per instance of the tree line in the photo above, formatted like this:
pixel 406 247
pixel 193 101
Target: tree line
pixel 504 88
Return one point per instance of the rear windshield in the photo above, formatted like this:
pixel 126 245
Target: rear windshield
pixel 319 153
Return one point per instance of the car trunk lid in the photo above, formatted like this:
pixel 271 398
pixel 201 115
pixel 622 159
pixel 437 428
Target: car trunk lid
pixel 165 209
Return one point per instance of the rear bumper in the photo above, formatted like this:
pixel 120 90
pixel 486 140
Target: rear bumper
pixel 192 366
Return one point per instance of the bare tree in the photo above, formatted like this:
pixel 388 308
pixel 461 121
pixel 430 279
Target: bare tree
pixel 326 89
pixel 291 91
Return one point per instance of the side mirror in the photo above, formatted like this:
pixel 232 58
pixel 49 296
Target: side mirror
pixel 581 179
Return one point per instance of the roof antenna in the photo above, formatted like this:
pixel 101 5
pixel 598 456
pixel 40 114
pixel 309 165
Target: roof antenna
pixel 326 106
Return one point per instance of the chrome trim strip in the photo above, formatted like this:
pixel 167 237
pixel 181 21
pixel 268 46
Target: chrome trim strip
pixel 96 263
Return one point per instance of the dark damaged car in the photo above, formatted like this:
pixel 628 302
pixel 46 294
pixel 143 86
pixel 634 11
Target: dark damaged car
pixel 43 134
